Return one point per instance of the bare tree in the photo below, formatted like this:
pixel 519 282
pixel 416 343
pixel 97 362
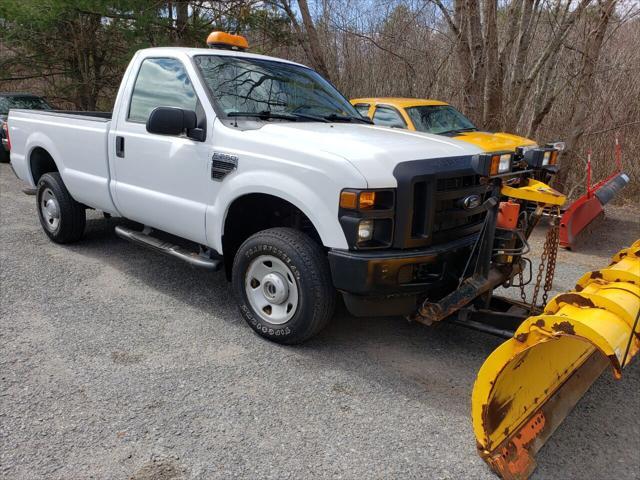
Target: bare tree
pixel 586 85
pixel 307 35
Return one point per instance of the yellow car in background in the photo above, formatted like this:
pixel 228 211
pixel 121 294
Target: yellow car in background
pixel 434 116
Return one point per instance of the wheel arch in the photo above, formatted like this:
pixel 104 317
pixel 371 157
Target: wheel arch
pixel 312 203
pixel 42 156
pixel 41 162
pixel 253 212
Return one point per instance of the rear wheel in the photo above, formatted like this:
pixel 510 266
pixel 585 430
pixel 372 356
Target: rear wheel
pixel 282 281
pixel 62 218
pixel 4 155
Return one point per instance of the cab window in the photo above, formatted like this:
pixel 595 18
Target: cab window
pixel 363 109
pixel 388 117
pixel 161 82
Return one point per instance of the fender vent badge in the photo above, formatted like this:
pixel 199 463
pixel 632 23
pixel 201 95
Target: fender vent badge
pixel 222 164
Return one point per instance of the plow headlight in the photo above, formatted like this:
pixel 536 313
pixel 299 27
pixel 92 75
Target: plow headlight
pixel 504 165
pixel 492 164
pixel 541 157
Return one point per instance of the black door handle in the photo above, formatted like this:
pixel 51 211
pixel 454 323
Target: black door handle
pixel 120 147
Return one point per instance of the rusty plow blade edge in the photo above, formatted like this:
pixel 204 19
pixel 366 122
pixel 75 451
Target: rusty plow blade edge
pixel 530 383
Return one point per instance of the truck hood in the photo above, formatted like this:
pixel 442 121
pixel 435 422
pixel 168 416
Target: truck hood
pixel 373 150
pixel 494 142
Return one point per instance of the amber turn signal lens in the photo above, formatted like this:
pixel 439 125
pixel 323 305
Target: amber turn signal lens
pixel 367 199
pixel 554 158
pixel 349 200
pixel 495 165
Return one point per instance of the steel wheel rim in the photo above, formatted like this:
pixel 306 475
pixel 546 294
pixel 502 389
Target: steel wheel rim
pixel 271 289
pixel 50 209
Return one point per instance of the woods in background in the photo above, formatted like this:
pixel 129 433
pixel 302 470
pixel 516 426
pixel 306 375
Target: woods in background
pixel 548 69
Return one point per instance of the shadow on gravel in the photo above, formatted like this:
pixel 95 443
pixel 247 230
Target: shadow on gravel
pixel 615 233
pixel 202 289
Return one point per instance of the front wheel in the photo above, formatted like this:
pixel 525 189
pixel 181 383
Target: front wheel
pixel 62 218
pixel 282 281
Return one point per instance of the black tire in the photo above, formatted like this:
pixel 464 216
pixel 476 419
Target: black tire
pixel 4 155
pixel 306 260
pixel 71 214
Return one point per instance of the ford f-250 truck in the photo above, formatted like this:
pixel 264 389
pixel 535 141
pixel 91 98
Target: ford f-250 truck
pixel 264 169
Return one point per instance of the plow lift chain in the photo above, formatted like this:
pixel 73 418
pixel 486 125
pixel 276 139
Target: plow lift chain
pixel 548 260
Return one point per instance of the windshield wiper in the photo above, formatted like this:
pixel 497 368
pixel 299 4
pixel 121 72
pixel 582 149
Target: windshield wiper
pixel 264 115
pixel 307 116
pixel 294 116
pixel 334 117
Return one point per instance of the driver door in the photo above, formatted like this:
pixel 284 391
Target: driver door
pixel 162 181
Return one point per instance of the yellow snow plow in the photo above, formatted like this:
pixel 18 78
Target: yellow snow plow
pixel 528 385
pixel 555 348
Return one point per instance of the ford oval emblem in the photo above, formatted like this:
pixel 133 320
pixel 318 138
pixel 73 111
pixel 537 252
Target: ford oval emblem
pixel 471 202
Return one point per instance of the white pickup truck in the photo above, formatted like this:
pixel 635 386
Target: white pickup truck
pixel 264 169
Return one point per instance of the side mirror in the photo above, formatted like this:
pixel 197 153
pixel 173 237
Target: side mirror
pixel 174 121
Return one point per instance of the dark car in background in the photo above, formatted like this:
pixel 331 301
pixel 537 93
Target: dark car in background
pixel 16 100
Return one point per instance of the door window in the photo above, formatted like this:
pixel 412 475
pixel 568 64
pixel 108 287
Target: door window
pixel 161 82
pixel 388 117
pixel 363 109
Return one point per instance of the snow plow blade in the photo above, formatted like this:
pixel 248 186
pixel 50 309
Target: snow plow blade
pixel 530 383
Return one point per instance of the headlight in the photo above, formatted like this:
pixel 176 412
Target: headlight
pixel 367 217
pixel 545 158
pixel 365 230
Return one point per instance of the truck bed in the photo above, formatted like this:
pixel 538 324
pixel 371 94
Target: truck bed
pixel 78 144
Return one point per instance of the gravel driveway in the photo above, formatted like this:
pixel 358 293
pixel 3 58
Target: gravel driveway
pixel 117 362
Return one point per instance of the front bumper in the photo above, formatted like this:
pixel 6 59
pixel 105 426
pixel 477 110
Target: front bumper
pixel 392 282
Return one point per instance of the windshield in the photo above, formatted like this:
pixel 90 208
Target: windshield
pixel 250 85
pixel 31 103
pixel 439 119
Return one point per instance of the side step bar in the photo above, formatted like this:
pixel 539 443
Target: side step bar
pixel 192 258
